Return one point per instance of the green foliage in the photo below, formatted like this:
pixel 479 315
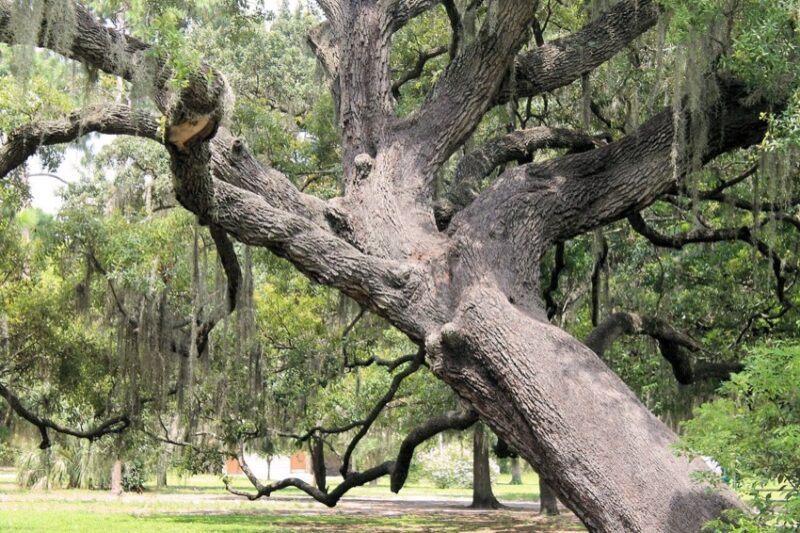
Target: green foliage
pixel 753 431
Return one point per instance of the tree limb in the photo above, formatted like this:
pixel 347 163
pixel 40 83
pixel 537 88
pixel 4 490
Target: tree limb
pixel 515 146
pixel 561 61
pixel 376 410
pixel 464 91
pixel 672 344
pixel 701 234
pixel 453 420
pixel 23 142
pixel 398 469
pixel 116 424
pixel 416 71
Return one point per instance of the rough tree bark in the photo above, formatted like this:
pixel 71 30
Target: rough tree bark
pixel 482 494
pixel 470 294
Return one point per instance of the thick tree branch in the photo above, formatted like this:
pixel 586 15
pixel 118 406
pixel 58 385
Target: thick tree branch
pixel 560 62
pixel 381 285
pixel 564 197
pixel 519 145
pixel 464 91
pixel 116 424
pixel 23 142
pixel 402 11
pixel 230 263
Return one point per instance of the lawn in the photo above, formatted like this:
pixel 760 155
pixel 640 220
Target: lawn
pixel 200 504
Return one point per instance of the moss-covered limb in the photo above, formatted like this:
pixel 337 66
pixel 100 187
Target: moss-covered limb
pixel 193 112
pixel 115 424
pixel 23 142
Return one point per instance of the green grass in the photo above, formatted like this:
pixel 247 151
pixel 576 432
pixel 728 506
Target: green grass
pixel 179 523
pixel 201 504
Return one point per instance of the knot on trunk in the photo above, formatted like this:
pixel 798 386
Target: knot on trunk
pixel 363 163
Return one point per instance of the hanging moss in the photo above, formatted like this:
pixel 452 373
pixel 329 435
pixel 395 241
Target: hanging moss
pixel 51 23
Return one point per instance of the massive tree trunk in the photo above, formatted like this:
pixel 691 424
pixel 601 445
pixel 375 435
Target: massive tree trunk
pixel 482 495
pixel 469 294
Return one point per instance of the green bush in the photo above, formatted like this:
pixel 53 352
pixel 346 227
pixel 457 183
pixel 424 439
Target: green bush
pixel 451 466
pixel 753 431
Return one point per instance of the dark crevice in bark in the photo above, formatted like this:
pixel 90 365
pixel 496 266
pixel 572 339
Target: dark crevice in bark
pixel 551 306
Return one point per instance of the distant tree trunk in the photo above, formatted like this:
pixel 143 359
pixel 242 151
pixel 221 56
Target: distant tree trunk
pixel 482 495
pixel 318 463
pixel 547 498
pixel 116 478
pixel 516 471
pixel 161 478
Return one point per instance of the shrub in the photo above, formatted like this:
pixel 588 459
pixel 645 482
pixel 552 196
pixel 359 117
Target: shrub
pixel 753 431
pixel 451 466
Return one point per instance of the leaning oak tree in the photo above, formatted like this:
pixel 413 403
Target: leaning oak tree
pixel 459 276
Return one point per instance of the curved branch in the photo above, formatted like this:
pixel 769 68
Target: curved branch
pixel 398 469
pixel 23 142
pixel 696 235
pixel 376 410
pixel 518 145
pixel 672 344
pixel 328 498
pixel 416 71
pixel 402 11
pixel 453 420
pixel 116 424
